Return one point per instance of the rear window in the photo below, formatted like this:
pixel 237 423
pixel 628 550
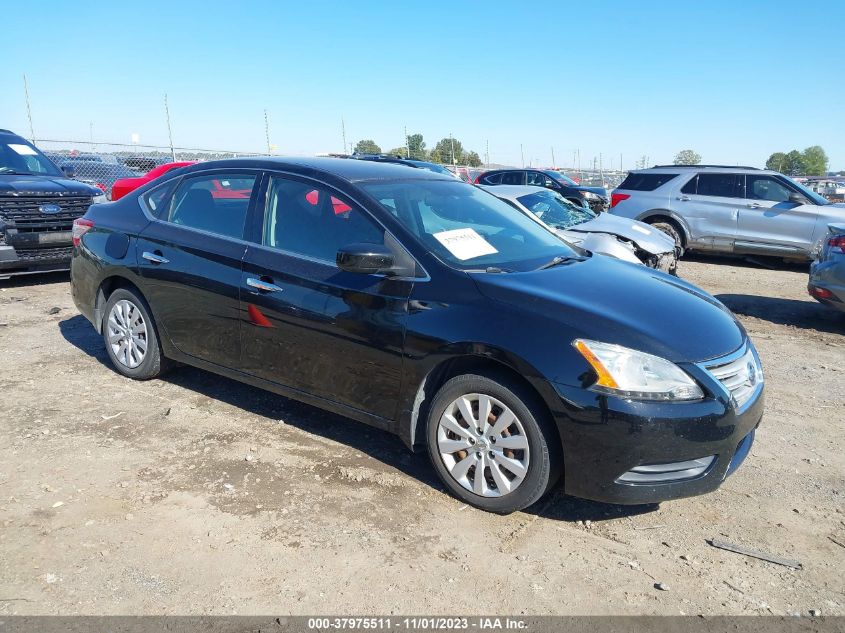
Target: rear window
pixel 645 182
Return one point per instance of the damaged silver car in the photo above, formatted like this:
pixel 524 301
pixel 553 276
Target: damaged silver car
pixel 628 240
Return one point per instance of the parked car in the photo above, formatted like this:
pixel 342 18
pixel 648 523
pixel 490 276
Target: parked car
pixel 421 164
pixel 124 185
pixel 827 273
pixel 724 209
pixel 592 197
pixel 628 240
pixel 425 306
pixel 38 204
pixel 99 174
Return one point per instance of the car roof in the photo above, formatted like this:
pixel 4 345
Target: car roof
pixel 676 169
pixel 344 168
pixel 513 191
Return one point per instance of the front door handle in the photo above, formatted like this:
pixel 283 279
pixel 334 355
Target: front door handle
pixel 683 198
pixel 154 258
pixel 264 286
pixel 753 205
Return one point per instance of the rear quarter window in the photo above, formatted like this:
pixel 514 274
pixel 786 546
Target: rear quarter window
pixel 645 182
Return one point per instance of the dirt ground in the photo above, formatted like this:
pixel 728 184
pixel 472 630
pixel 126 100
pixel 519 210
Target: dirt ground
pixel 196 494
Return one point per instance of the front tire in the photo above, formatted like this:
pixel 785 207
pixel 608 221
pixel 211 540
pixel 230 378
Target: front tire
pixel 130 336
pixel 491 444
pixel 670 229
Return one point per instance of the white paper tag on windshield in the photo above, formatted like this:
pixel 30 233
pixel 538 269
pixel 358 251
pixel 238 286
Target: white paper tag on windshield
pixel 465 243
pixel 23 150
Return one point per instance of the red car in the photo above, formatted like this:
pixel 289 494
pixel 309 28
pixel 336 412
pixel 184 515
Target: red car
pixel 123 186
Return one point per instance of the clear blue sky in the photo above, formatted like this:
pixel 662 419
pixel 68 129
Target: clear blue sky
pixel 734 80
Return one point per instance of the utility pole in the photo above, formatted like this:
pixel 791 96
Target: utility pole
pixel 407 144
pixel 522 155
pixel 601 170
pixel 580 173
pixel 343 134
pixel 554 164
pixel 169 130
pixel 28 109
pixel 487 153
pixel 91 132
pixel 452 140
pixel 267 131
pixel 620 161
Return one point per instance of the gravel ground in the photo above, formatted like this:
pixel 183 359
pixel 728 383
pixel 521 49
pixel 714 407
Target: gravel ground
pixel 195 494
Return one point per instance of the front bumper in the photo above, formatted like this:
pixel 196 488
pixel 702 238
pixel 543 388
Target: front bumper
pixel 44 258
pixel 626 452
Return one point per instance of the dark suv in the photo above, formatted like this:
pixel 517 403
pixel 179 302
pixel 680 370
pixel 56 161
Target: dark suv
pixel 593 197
pixel 38 204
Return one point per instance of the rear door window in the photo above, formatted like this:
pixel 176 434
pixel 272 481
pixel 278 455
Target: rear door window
pixel 720 185
pixel 645 181
pixel 536 178
pixel 216 203
pixel 513 178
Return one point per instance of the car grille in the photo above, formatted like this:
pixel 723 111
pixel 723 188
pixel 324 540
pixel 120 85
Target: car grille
pixel 740 374
pixel 35 255
pixel 24 214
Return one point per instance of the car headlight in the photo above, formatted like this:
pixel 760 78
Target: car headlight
pixel 589 195
pixel 99 198
pixel 628 373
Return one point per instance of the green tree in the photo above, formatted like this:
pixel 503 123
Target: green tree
pixel 450 150
pixel 436 157
pixel 472 159
pixel 794 165
pixel 416 146
pixel 776 162
pixel 687 157
pixel 367 146
pixel 399 151
pixel 815 161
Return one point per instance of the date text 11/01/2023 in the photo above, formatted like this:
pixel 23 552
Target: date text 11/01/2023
pixel 417 623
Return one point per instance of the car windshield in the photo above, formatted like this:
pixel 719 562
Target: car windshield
pixel 561 177
pixel 554 210
pixel 19 157
pixel 812 195
pixel 466 227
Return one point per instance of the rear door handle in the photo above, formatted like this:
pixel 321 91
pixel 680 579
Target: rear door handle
pixel 154 258
pixel 753 205
pixel 264 286
pixel 683 198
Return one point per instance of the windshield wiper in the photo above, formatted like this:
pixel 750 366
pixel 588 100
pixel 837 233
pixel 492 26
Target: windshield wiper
pixel 560 259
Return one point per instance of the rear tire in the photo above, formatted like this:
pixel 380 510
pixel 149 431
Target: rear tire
pixel 499 469
pixel 130 336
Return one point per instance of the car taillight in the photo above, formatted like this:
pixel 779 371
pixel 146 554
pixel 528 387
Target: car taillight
pixel 819 293
pixel 616 198
pixel 837 244
pixel 80 227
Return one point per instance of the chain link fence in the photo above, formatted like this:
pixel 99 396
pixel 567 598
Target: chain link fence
pixel 102 164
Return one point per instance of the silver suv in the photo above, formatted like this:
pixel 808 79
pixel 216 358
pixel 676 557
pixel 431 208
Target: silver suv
pixel 725 209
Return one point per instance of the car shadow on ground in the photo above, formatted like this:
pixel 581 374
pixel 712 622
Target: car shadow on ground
pixel 40 279
pixel 807 315
pixel 755 262
pixel 380 445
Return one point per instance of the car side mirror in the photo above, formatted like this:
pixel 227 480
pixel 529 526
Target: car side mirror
pixel 366 259
pixel 797 198
pixel 68 171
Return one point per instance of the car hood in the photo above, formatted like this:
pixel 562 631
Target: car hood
pixel 612 301
pixel 598 190
pixel 52 185
pixel 646 237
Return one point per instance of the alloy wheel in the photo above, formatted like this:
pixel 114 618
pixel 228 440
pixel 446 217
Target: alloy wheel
pixel 483 445
pixel 127 333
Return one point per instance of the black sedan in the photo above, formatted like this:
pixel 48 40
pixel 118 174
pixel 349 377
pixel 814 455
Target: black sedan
pixel 593 197
pixel 423 305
